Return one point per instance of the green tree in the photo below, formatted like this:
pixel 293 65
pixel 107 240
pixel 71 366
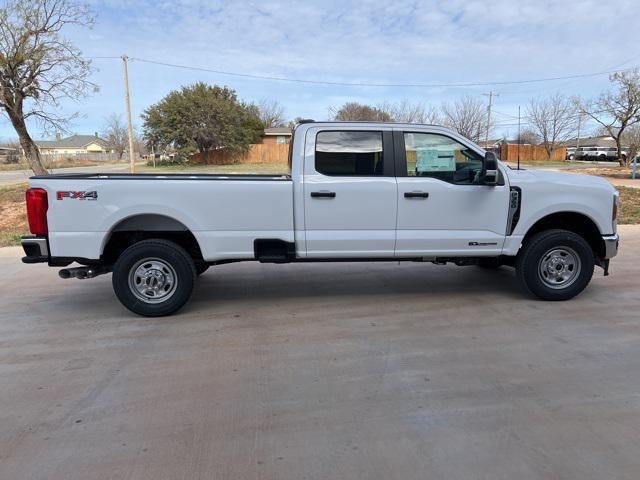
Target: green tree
pixel 202 117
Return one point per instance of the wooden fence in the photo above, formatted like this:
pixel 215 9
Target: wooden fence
pixel 529 153
pixel 258 153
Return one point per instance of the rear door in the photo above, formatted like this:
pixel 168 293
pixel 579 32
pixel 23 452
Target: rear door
pixel 443 209
pixel 350 193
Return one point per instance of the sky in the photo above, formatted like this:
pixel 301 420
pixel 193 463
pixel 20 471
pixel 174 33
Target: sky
pixel 398 42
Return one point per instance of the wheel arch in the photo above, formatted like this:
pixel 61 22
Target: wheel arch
pixel 575 222
pixel 137 227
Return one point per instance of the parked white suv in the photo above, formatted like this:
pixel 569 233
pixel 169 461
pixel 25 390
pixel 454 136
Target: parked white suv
pixel 357 191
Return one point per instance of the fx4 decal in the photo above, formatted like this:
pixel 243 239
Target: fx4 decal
pixel 93 195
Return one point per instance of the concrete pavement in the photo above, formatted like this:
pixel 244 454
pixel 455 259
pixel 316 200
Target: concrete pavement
pixel 322 371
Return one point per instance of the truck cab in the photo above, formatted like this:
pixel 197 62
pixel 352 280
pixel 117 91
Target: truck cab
pixel 356 191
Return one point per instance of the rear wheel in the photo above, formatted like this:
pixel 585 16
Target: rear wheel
pixel 154 277
pixel 555 264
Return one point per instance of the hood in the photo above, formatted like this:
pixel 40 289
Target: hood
pixel 559 178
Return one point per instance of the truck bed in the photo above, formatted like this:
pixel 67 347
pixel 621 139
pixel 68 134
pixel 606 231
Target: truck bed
pixel 225 213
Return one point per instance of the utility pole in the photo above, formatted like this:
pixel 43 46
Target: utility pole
pixel 579 125
pixel 490 95
pixel 519 138
pixel 127 103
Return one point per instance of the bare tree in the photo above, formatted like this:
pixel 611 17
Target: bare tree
pixel 554 119
pixel 271 113
pixel 354 111
pixel 405 111
pixel 618 110
pixel 528 136
pixel 116 134
pixel 631 141
pixel 295 121
pixel 39 67
pixel 467 116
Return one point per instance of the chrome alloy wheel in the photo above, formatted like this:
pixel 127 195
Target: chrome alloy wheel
pixel 152 280
pixel 559 267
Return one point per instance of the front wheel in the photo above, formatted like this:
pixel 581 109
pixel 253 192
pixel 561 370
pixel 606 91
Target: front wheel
pixel 555 264
pixel 154 277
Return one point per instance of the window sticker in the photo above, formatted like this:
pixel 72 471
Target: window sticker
pixel 435 160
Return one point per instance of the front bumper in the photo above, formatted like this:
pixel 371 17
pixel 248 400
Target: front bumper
pixel 36 249
pixel 611 243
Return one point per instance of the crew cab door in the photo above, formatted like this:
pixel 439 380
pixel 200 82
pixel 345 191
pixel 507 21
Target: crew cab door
pixel 443 208
pixel 350 193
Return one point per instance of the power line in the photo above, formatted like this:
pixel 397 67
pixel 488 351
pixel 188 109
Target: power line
pixel 366 84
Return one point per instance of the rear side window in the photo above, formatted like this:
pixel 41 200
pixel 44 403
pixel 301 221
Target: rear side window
pixel 349 153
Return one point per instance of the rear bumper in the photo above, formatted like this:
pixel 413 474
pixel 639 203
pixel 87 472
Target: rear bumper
pixel 36 250
pixel 611 243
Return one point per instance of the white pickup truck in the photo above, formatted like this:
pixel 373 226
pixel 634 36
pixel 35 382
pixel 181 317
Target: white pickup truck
pixel 356 191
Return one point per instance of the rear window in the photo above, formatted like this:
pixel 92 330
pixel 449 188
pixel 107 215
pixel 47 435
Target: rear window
pixel 349 153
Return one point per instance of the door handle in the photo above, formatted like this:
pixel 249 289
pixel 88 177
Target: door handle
pixel 323 194
pixel 416 194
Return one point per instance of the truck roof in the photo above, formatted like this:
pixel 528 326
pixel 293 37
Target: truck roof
pixel 367 122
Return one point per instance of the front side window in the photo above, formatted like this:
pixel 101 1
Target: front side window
pixel 437 156
pixel 349 153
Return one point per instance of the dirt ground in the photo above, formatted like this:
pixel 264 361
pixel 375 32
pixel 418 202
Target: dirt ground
pixel 322 371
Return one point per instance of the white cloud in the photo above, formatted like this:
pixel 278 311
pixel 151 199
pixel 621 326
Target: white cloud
pixel 354 41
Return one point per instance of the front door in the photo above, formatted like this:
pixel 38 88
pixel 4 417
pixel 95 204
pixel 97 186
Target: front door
pixel 443 209
pixel 350 193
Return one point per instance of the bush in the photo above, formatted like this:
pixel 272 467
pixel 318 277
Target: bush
pixel 168 161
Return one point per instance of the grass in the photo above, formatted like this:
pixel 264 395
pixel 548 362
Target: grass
pixel 552 164
pixel 13 221
pixel 62 163
pixel 629 212
pixel 13 217
pixel 613 171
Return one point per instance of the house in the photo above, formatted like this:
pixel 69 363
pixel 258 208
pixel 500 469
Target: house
pixel 73 145
pixel 7 154
pixel 278 135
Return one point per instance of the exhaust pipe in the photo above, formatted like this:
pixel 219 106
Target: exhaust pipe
pixel 83 273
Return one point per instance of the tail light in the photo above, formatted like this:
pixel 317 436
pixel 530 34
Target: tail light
pixel 37 205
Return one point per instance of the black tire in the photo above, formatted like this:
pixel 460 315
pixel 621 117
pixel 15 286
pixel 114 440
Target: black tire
pixel 535 261
pixel 201 268
pixel 158 259
pixel 603 158
pixel 571 158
